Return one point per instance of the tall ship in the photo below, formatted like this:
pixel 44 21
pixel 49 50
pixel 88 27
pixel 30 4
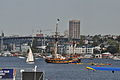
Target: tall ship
pixel 57 58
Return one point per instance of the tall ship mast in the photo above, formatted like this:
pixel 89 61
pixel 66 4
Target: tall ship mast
pixel 56 41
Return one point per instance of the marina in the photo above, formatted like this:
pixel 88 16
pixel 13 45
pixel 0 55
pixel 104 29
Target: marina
pixel 59 40
pixel 62 71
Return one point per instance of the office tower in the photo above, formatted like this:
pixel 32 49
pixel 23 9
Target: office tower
pixel 74 29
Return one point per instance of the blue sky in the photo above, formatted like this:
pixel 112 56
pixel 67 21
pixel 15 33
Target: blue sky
pixel 21 17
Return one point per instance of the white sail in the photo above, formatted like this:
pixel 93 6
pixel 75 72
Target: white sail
pixel 30 58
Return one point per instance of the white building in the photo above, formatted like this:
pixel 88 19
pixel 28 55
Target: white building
pixel 69 49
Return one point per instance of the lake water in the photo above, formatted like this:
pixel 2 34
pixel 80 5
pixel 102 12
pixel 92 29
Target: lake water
pixel 62 71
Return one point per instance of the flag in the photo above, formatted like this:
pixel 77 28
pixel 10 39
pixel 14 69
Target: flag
pixel 58 19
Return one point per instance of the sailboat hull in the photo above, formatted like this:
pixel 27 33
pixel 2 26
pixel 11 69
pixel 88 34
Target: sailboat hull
pixel 31 62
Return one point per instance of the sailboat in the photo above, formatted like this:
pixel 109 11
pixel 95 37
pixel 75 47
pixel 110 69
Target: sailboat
pixel 57 58
pixel 30 58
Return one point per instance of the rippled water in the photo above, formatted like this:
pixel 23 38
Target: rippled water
pixel 62 71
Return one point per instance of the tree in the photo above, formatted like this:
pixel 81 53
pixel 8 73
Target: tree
pixel 96 40
pixel 102 46
pixel 114 43
pixel 118 39
pixel 112 49
pixel 96 51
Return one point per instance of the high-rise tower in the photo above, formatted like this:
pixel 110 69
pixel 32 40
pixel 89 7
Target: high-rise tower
pixel 74 29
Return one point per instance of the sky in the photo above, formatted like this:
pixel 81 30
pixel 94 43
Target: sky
pixel 26 17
